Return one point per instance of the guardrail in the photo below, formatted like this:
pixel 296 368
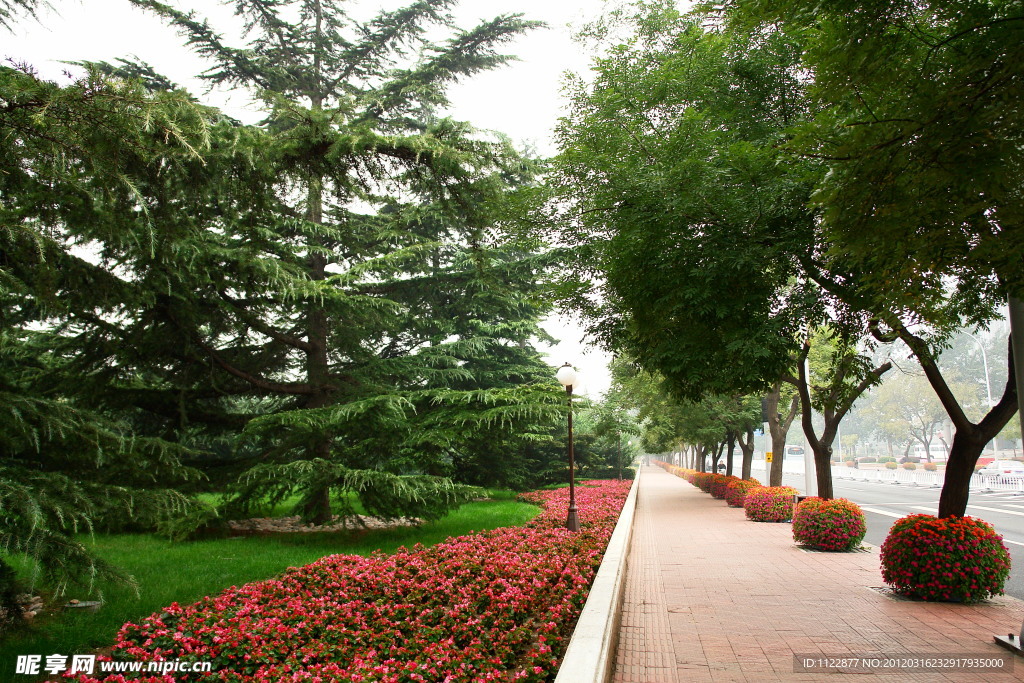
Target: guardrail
pixel 901 477
pixel 1007 483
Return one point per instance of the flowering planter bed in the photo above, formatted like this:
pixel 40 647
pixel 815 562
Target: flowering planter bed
pixel 955 559
pixel 497 605
pixel 720 485
pixel 835 525
pixel 736 491
pixel 769 503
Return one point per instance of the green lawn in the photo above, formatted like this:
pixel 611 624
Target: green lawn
pixel 184 572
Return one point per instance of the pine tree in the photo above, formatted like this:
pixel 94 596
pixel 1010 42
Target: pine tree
pixel 66 465
pixel 304 270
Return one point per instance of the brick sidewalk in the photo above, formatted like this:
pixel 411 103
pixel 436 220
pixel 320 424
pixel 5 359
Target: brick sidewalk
pixel 711 596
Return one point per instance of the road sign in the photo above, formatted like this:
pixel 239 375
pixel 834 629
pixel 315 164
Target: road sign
pixel 768 456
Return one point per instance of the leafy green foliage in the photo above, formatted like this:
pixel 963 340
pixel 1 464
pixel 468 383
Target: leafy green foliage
pixel 380 493
pixel 917 114
pixel 74 155
pixel 328 284
pixel 671 162
pixel 921 123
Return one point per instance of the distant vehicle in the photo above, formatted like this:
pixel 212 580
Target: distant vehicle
pixel 794 451
pixel 1002 468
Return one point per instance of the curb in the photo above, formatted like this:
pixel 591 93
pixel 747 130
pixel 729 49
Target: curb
pixel 590 656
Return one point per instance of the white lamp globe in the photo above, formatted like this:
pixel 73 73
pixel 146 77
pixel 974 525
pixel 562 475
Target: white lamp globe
pixel 566 375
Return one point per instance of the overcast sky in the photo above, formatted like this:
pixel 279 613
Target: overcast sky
pixel 522 100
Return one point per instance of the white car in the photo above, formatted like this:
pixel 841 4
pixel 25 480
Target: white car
pixel 1003 468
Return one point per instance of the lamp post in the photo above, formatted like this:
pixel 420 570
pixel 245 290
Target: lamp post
pixel 567 376
pixel 988 385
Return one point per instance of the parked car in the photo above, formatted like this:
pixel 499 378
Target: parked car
pixel 1002 468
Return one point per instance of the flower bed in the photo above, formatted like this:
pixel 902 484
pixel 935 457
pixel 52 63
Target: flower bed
pixel 960 559
pixel 720 484
pixel 496 605
pixel 737 491
pixel 702 480
pixel 837 524
pixel 769 503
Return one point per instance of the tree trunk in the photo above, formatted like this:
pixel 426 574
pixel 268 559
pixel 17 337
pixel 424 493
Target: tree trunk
pixel 316 505
pixel 963 456
pixel 716 455
pixel 823 474
pixel 778 425
pixel 747 448
pixel 728 454
pixel 969 439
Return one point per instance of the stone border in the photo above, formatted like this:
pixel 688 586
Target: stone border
pixel 590 656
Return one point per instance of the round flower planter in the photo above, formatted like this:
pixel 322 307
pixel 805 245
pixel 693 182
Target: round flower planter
pixel 956 559
pixel 720 485
pixel 836 525
pixel 736 491
pixel 702 480
pixel 769 503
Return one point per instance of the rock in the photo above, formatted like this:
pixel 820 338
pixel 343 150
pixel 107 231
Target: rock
pixel 294 524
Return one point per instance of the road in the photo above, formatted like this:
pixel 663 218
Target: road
pixel 883 504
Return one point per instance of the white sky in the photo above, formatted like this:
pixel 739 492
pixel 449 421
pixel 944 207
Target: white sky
pixel 522 100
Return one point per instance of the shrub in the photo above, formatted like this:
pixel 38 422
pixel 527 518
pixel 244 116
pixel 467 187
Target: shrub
pixel 891 465
pixel 909 466
pixel 769 503
pixel 837 524
pixel 887 458
pixel 702 480
pixel 736 491
pixel 867 458
pixel 720 484
pixel 851 463
pixel 960 559
pixel 930 467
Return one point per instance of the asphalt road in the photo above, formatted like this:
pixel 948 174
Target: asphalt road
pixel 883 504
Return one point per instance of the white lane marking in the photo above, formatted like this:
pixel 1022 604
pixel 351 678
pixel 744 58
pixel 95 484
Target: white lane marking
pixel 930 511
pixel 1011 505
pixel 1005 512
pixel 881 512
pixel 886 513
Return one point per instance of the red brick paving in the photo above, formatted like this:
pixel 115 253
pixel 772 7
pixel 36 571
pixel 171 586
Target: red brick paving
pixel 713 597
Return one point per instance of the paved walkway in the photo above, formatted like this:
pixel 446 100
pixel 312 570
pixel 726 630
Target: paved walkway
pixel 711 596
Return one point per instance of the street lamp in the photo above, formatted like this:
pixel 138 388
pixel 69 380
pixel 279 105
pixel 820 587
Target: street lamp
pixel 567 376
pixel 942 438
pixel 988 385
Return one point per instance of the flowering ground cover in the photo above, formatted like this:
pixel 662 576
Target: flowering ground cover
pixel 497 605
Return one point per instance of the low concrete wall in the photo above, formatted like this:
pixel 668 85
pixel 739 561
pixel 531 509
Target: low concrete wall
pixel 590 657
